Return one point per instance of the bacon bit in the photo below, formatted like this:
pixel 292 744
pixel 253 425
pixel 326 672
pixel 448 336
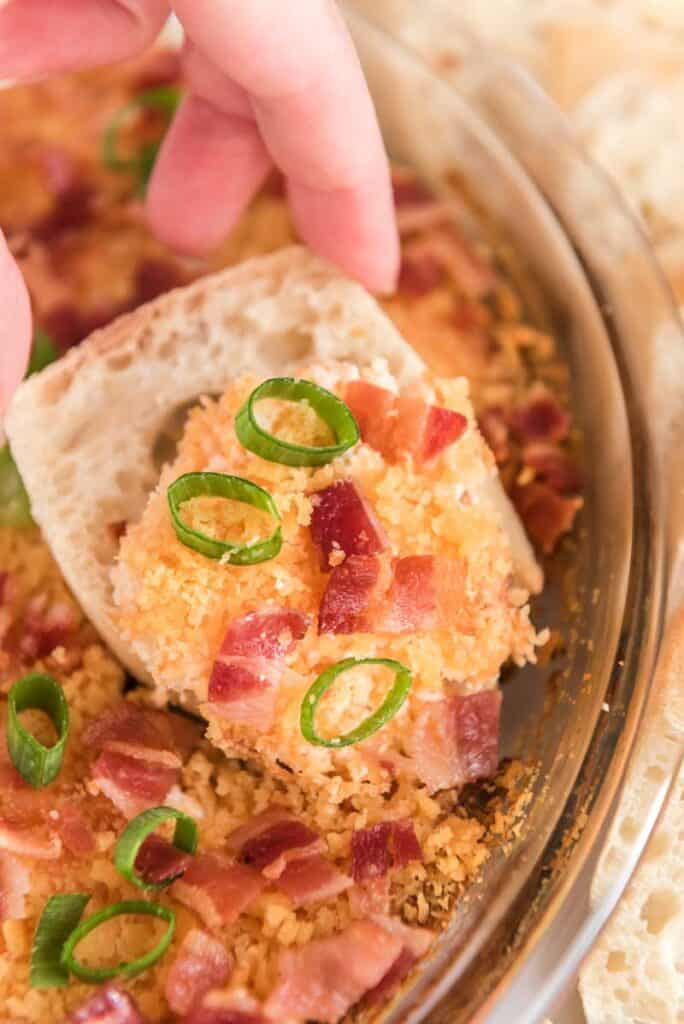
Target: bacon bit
pixel 245 691
pixel 109 1005
pixel 379 847
pixel 159 860
pixel 540 417
pixel 397 426
pixel 456 740
pixel 73 208
pixel 74 831
pixel 4 587
pixel 343 520
pixel 202 963
pixel 419 276
pixel 233 1007
pixel 553 466
pixel 312 880
pixel 133 783
pixel 217 889
pixel 348 595
pixel 416 942
pixel 162 68
pixel 153 278
pixel 45 630
pixel 372 897
pixel 64 325
pixel 323 979
pixel 273 633
pixel 494 428
pixel 412 599
pixel 128 722
pixel 15 883
pixel 546 515
pixel 27 842
pixel 272 839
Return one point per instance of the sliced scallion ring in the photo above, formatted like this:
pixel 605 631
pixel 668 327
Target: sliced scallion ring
pixel 127 969
pixel 235 488
pixel 15 507
pixel 332 410
pixel 43 352
pixel 387 710
pixel 136 832
pixel 36 763
pixel 164 98
pixel 60 916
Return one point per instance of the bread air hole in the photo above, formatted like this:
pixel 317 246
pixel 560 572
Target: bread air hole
pixel 171 431
pixel 661 907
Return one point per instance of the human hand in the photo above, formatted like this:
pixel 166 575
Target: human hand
pixel 268 83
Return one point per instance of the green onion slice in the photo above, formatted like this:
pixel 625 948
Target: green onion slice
pixel 37 764
pixel 43 352
pixel 220 485
pixel 388 709
pixel 15 507
pixel 329 407
pixel 127 969
pixel 60 916
pixel 164 98
pixel 137 831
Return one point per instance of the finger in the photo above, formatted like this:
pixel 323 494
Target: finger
pixel 39 37
pixel 15 326
pixel 311 103
pixel 210 165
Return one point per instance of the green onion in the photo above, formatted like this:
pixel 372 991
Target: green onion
pixel 163 98
pixel 60 916
pixel 329 407
pixel 137 831
pixel 388 709
pixel 43 353
pixel 127 969
pixel 220 485
pixel 15 507
pixel 34 762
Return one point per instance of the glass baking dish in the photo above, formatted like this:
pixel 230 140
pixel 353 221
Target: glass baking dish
pixel 515 945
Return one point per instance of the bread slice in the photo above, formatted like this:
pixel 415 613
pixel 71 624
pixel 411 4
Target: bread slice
pixel 87 432
pixel 636 970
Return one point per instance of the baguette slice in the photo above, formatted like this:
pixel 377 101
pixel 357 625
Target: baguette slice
pixel 636 970
pixel 87 433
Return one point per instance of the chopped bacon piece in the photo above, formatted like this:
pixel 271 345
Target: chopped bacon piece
pixel 416 942
pixel 371 897
pixel 342 520
pixel 420 275
pixel 349 594
pixel 456 740
pixel 273 633
pixel 244 677
pixel 546 514
pixel 540 417
pixel 399 426
pixel 29 842
pixel 15 883
pixel 232 1007
pixel 74 830
pixel 109 1005
pixel 153 278
pixel 553 466
pixel 72 208
pixel 158 860
pixel 128 722
pixel 377 848
pixel 312 880
pixel 64 324
pixel 418 592
pixel 4 587
pixel 492 423
pixel 133 783
pixel 44 629
pixel 217 889
pixel 272 839
pixel 323 979
pixel 202 963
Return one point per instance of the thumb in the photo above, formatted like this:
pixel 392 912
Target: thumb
pixel 15 326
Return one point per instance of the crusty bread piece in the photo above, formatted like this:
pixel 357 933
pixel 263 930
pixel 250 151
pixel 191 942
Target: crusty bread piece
pixel 84 431
pixel 635 971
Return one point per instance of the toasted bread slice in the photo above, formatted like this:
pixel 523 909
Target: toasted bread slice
pixel 634 972
pixel 88 432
